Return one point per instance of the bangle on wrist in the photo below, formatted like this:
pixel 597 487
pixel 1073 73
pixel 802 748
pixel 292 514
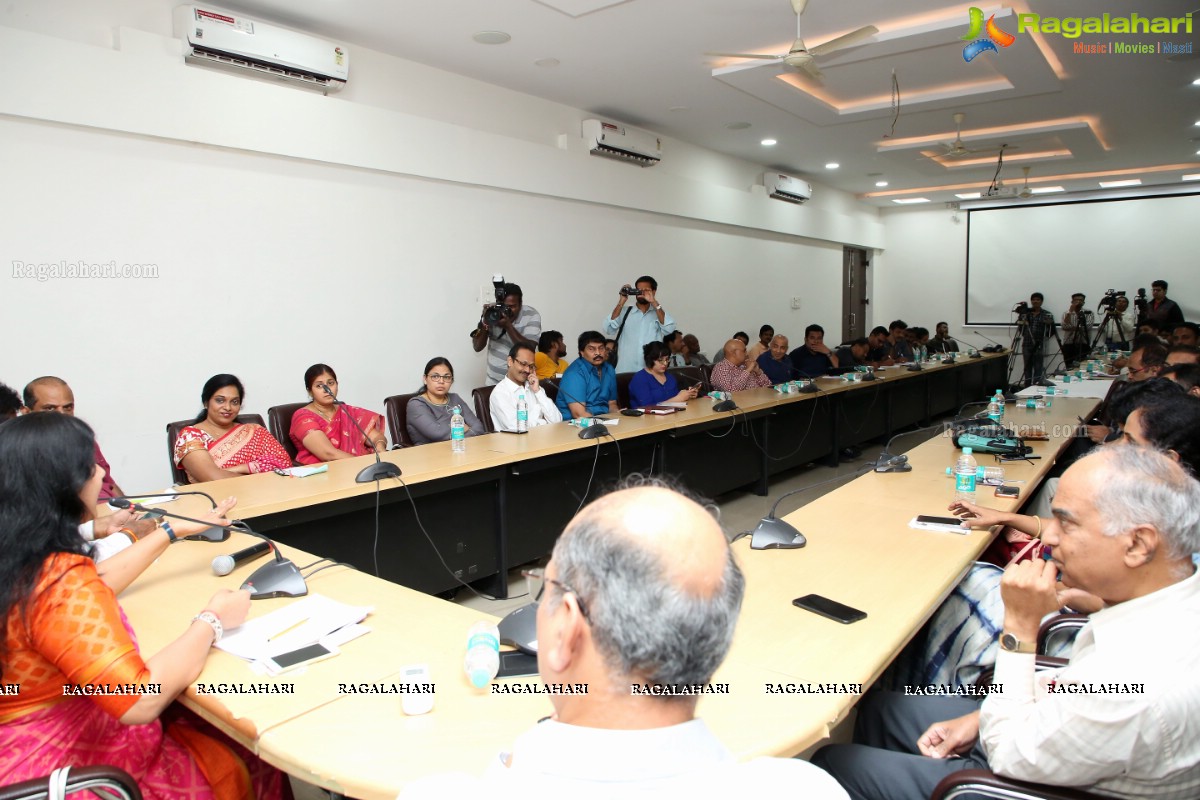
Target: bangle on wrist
pixel 214 622
pixel 166 526
pixel 132 536
pixel 1038 535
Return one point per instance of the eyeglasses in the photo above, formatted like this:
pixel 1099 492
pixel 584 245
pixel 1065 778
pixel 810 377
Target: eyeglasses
pixel 536 580
pixel 441 378
pixel 524 364
pixel 663 360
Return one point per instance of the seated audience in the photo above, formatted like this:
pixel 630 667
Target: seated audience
pixel 641 591
pixel 10 403
pixel 521 379
pixel 1137 343
pixel 1183 354
pixel 549 358
pixel 323 430
pixel 898 347
pixel 674 343
pixel 1146 362
pixel 65 628
pixel 942 342
pixel 732 373
pixel 853 354
pixel 813 358
pixel 691 351
pixel 1186 375
pixel 1127 520
pixel 217 446
pixel 653 385
pixel 53 394
pixel 743 337
pixel 920 343
pixel 1187 333
pixel 776 364
pixel 429 413
pixel 765 334
pixel 589 386
pixel 879 354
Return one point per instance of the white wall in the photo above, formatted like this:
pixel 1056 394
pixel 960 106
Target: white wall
pixel 289 228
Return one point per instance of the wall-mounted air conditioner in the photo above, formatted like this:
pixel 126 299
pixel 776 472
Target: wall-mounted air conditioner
pixel 786 188
pixel 226 40
pixel 613 140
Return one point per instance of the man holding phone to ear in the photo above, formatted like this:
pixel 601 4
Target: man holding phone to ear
pixel 521 379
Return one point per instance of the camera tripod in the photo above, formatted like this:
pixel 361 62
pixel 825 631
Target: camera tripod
pixel 1111 318
pixel 1031 376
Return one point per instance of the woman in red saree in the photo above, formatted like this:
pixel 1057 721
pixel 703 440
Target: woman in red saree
pixel 324 431
pixel 86 696
pixel 218 446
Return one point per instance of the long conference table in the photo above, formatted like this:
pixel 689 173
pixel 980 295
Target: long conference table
pixel 860 552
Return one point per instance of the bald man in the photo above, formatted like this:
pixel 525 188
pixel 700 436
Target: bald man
pixel 1113 720
pixel 736 372
pixel 640 598
pixel 49 393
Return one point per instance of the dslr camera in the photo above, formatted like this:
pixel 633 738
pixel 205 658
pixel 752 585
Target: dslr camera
pixel 497 312
pixel 1110 299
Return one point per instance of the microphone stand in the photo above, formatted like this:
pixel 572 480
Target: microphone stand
pixel 215 533
pixel 372 472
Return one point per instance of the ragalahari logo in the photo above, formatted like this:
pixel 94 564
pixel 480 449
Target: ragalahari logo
pixel 994 37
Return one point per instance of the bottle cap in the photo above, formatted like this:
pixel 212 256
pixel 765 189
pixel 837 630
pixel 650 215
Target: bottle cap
pixel 480 678
pixel 455 410
pixel 967 451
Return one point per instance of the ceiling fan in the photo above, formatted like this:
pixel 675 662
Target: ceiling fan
pixel 802 57
pixel 958 149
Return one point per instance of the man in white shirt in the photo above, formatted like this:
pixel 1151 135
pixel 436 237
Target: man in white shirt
pixel 1123 717
pixel 521 379
pixel 641 591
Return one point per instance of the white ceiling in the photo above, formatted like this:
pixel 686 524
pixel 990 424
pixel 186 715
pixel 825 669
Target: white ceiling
pixel 642 62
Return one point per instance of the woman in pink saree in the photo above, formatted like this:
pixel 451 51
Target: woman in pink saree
pixel 218 446
pixel 324 429
pixel 86 695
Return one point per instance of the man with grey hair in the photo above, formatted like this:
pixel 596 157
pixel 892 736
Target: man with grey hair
pixel 640 601
pixel 1123 717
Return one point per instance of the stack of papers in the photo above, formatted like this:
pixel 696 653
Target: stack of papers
pixel 296 625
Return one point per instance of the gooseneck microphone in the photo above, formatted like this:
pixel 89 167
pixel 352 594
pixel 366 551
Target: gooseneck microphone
pixel 223 565
pixel 214 533
pixel 373 472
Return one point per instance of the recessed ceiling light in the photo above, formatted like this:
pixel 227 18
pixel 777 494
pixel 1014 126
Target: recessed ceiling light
pixel 1198 123
pixel 1047 190
pixel 1196 82
pixel 546 62
pixel 492 37
pixel 1118 184
pixel 769 143
pixel 832 165
pixel 1195 176
pixel 881 184
pixel 738 126
pixel 969 196
pixel 905 201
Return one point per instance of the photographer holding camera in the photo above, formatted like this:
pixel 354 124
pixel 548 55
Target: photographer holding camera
pixel 636 327
pixel 505 323
pixel 1036 326
pixel 1118 321
pixel 1077 324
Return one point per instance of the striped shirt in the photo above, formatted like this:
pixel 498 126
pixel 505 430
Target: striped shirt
pixel 528 323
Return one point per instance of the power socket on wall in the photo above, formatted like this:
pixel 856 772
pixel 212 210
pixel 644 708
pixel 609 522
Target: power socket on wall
pixel 795 302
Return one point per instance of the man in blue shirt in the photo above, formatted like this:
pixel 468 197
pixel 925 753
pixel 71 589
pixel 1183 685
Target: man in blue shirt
pixel 813 358
pixel 589 385
pixel 775 363
pixel 644 323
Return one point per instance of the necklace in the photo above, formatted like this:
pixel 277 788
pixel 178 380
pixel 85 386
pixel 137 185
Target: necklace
pixel 313 405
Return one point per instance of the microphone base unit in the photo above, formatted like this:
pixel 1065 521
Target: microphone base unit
pixel 808 388
pixel 593 432
pixel 377 472
pixel 214 534
pixel 916 368
pixel 724 405
pixel 519 628
pixel 775 534
pixel 869 376
pixel 276 579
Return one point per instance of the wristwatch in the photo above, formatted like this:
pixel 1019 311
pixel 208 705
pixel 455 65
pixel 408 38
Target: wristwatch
pixel 1012 644
pixel 214 622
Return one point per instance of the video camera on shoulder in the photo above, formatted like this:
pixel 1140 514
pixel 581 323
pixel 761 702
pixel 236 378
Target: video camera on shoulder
pixel 495 314
pixel 1021 308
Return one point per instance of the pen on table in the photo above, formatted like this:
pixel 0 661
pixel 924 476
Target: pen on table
pixel 288 629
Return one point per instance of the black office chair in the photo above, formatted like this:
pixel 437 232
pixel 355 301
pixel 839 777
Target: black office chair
pixel 112 781
pixel 482 398
pixel 178 474
pixel 706 372
pixel 551 387
pixel 396 410
pixel 982 783
pixel 688 377
pixel 279 421
pixel 623 379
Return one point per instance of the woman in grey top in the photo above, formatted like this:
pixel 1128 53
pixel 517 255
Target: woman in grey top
pixel 430 411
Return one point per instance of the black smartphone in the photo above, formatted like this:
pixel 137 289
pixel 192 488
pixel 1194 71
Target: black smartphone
pixel 1008 491
pixel 829 608
pixel 928 520
pixel 514 663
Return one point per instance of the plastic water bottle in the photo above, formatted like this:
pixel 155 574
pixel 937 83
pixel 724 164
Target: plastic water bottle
pixel 483 653
pixel 965 474
pixel 522 414
pixel 992 476
pixel 458 431
pixel 999 398
pixel 993 410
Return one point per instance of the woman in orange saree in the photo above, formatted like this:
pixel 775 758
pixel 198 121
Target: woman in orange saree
pixel 76 691
pixel 218 446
